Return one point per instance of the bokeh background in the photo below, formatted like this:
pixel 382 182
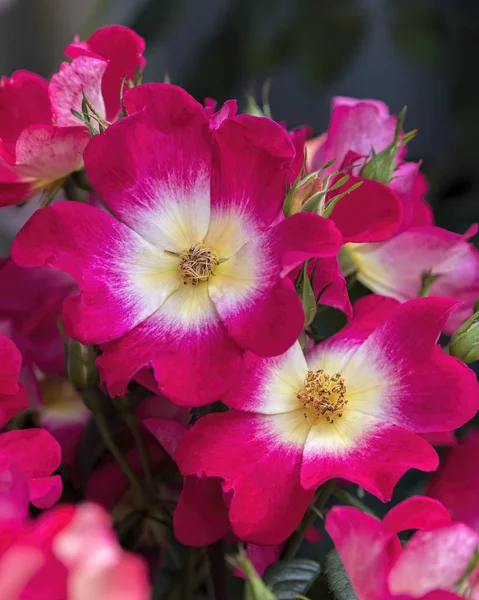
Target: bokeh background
pixel 423 53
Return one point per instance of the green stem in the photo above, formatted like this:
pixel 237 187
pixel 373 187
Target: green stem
pixel 318 503
pixel 130 420
pixel 188 581
pixel 218 571
pixel 116 452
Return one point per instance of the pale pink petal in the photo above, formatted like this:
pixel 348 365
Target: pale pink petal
pixel 109 261
pixel 83 74
pixel 259 459
pixel 363 546
pixel 49 153
pixel 433 560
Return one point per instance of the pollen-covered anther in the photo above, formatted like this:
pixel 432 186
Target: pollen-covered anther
pixel 324 395
pixel 197 264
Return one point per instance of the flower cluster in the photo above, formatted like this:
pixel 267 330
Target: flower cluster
pixel 179 347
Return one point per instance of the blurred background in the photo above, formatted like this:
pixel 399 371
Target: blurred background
pixel 423 53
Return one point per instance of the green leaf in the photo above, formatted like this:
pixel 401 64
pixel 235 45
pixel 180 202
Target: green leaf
pixel 337 577
pixel 255 588
pixel 289 578
pixel 307 296
pixel 48 194
pixel 427 280
pixel 252 107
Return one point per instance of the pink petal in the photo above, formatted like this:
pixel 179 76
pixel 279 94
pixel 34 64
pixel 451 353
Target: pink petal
pixel 23 101
pixel 411 187
pixel 260 467
pixel 49 153
pixel 382 107
pixel 34 451
pixel 144 174
pixel 14 495
pixel 376 461
pixel 167 432
pixel 433 560
pixel 12 404
pixel 395 268
pixel 122 48
pixel 65 89
pixel 354 532
pixel 10 363
pixel 428 390
pixel 261 557
pixel 269 320
pixel 228 110
pixel 312 535
pixel 201 515
pixel 45 491
pixel 456 484
pixel 418 512
pixel 359 127
pixel 100 253
pixel 441 438
pixel 126 579
pixel 329 284
pixel 370 213
pixel 261 148
pixel 181 354
pixel 15 188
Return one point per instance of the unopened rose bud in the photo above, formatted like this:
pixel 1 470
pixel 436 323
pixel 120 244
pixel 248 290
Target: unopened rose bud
pixel 464 343
pixel 81 368
pixel 304 192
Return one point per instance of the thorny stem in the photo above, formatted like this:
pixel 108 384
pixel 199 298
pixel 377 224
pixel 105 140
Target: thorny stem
pixel 318 503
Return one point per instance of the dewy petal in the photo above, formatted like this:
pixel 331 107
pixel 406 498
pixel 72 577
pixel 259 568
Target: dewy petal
pixel 259 458
pixel 122 48
pixel 396 267
pixel 433 560
pixel 82 75
pixel 363 546
pixel 418 512
pixel 252 158
pixel 365 451
pixel 193 359
pixel 123 278
pixel 260 308
pixel 269 385
pixel 157 182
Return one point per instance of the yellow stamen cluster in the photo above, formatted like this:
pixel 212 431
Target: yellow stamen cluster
pixel 197 264
pixel 324 395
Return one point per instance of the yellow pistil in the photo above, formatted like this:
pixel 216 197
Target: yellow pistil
pixel 197 264
pixel 324 395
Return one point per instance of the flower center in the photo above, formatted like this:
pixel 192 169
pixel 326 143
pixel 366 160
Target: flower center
pixel 324 395
pixel 197 264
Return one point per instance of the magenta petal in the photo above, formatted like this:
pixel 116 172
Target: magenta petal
pixel 363 546
pixel 418 512
pixel 370 213
pixel 66 89
pixel 168 433
pixel 259 468
pixel 122 48
pixel 34 451
pixel 10 364
pixel 201 515
pixel 376 462
pixel 181 357
pixel 15 188
pixel 260 148
pixel 23 101
pixel 329 284
pixel 144 174
pixel 100 253
pixel 45 491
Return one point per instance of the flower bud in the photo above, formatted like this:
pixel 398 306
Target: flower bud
pixel 464 343
pixel 304 192
pixel 81 368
